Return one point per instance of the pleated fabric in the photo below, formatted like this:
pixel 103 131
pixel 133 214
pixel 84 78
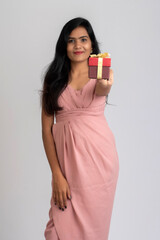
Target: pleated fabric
pixel 87 153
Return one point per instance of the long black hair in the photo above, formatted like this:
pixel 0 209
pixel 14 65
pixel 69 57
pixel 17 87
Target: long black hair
pixel 56 75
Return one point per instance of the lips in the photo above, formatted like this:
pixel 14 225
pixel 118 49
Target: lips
pixel 77 53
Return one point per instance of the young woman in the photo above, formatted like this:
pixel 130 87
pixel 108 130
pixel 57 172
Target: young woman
pixel 80 146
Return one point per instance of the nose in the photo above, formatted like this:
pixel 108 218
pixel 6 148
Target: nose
pixel 77 44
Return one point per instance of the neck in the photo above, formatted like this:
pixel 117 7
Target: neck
pixel 79 68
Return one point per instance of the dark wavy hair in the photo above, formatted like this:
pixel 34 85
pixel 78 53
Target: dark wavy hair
pixel 56 75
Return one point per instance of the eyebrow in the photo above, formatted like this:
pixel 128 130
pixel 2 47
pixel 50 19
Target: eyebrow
pixel 75 38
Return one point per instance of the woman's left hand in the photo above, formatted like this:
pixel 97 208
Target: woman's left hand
pixel 103 86
pixel 105 82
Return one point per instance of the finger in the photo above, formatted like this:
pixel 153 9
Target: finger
pixel 111 76
pixel 103 82
pixel 111 80
pixel 65 200
pixel 111 71
pixel 69 194
pixel 60 200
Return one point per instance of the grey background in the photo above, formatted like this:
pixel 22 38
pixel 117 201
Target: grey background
pixel 129 31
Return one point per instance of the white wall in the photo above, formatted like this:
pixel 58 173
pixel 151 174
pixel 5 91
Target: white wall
pixel 129 30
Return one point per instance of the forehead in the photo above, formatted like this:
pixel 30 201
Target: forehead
pixel 78 32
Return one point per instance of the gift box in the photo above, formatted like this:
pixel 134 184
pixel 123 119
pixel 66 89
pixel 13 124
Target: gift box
pixel 99 66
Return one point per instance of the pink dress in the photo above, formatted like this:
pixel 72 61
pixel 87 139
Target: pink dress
pixel 87 154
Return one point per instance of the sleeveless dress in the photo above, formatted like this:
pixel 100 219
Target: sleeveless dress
pixel 88 158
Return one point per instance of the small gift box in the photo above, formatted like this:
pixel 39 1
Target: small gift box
pixel 99 66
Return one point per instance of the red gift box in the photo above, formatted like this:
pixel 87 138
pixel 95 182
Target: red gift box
pixel 99 67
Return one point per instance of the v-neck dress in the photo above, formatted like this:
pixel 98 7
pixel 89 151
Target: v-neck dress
pixel 87 154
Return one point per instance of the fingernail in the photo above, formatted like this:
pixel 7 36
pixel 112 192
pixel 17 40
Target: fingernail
pixel 70 197
pixel 62 209
pixel 65 206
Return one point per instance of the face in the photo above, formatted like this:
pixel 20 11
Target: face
pixel 79 45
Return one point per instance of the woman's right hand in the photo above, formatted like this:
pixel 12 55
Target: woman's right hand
pixel 61 191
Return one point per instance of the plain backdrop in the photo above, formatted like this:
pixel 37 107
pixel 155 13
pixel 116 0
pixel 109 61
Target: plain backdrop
pixel 130 32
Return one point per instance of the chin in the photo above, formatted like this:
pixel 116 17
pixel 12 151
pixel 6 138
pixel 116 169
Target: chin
pixel 80 60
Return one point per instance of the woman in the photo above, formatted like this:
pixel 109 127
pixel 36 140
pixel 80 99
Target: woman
pixel 80 147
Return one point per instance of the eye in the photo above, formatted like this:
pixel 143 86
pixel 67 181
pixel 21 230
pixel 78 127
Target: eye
pixel 84 39
pixel 70 40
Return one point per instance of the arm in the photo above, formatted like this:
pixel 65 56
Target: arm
pixel 61 189
pixel 48 142
pixel 103 86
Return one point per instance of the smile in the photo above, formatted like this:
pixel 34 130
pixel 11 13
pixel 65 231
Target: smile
pixel 78 53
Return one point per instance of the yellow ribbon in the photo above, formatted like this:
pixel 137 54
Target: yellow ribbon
pixel 99 70
pixel 101 55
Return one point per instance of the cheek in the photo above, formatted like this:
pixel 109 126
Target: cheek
pixel 69 49
pixel 88 46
